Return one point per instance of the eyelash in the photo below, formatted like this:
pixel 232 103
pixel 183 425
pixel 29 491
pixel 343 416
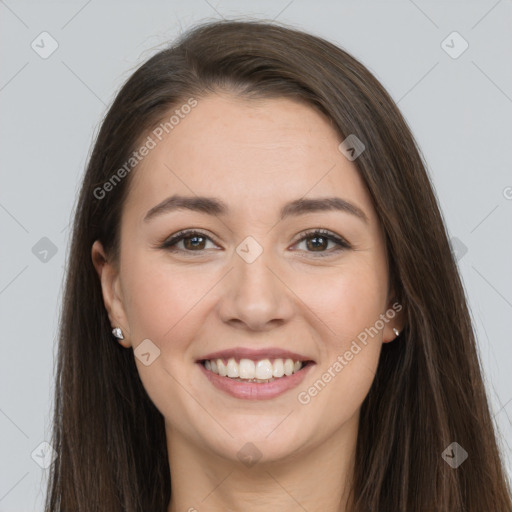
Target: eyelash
pixel 185 234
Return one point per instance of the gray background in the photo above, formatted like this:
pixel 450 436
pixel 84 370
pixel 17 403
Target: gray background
pixel 458 108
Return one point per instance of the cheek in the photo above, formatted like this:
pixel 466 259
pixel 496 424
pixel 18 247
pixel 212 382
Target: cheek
pixel 347 301
pixel 162 300
pixel 163 306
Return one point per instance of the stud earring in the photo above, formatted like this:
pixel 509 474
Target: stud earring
pixel 396 331
pixel 118 333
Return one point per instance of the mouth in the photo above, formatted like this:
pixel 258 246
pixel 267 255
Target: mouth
pixel 255 375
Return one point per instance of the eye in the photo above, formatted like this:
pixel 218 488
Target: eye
pixel 318 240
pixel 194 241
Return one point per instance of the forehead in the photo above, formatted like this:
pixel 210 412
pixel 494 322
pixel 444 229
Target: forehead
pixel 254 154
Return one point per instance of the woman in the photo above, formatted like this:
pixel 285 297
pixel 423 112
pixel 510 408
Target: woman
pixel 262 310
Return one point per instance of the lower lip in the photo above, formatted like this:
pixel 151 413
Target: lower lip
pixel 254 390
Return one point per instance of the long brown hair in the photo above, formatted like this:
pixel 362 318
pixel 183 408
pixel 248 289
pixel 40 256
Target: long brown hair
pixel 428 391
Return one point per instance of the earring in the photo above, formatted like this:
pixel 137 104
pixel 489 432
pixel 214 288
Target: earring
pixel 396 331
pixel 118 333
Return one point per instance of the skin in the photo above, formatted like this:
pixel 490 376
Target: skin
pixel 255 155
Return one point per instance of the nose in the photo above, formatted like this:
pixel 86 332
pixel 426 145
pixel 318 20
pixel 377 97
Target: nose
pixel 255 296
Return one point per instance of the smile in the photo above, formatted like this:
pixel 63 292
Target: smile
pixel 255 379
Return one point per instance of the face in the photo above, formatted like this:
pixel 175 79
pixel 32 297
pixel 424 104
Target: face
pixel 246 277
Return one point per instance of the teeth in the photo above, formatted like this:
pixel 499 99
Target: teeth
pixel 222 368
pixel 247 369
pixel 232 369
pixel 263 370
pixel 255 380
pixel 278 368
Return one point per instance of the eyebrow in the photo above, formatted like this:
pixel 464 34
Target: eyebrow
pixel 213 206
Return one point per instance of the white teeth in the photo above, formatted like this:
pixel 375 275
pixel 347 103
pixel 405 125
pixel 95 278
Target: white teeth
pixel 247 369
pixel 232 368
pixel 288 367
pixel 222 368
pixel 278 368
pixel 263 370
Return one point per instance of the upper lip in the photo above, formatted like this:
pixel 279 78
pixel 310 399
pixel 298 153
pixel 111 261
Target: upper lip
pixel 261 353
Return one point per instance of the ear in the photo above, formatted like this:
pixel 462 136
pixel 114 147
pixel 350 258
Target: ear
pixel 111 290
pixel 397 321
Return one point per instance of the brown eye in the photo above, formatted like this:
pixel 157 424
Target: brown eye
pixel 193 241
pixel 315 242
pixel 318 242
